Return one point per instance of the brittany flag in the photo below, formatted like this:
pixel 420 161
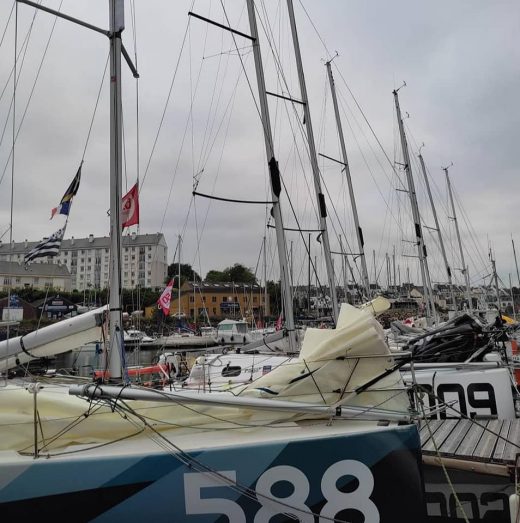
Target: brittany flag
pixel 47 247
pixel 130 211
pixel 164 300
pixel 64 205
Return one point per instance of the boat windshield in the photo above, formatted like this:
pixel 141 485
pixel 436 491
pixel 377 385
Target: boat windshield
pixel 241 328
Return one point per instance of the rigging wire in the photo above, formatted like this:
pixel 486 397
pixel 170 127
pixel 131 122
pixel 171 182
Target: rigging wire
pixel 23 50
pixel 167 100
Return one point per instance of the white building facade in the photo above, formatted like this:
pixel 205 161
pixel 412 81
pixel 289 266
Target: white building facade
pixel 144 260
pixel 41 276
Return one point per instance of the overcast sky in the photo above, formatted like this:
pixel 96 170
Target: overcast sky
pixel 197 117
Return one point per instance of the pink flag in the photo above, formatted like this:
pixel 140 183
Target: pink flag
pixel 278 325
pixel 130 211
pixel 164 300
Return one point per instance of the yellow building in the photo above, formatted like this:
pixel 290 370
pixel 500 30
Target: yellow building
pixel 217 301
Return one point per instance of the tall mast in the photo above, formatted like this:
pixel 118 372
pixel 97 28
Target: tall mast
pixel 516 262
pixel 274 178
pixel 179 242
pixel 438 229
pixel 359 231
pixel 393 264
pixel 464 269
pixel 264 308
pixel 512 296
pixel 517 273
pixel 117 25
pixel 421 247
pixel 322 209
pixel 495 278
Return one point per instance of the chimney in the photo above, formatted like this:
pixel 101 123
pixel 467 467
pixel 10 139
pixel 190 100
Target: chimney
pixel 72 240
pixel 90 238
pixel 26 243
pixel 133 235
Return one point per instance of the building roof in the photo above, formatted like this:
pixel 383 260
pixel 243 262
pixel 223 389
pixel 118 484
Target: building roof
pixel 42 301
pixel 34 269
pixel 92 242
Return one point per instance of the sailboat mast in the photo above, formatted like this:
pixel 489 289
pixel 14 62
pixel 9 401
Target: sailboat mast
pixel 516 262
pixel 275 180
pixel 512 296
pixel 495 278
pixel 179 239
pixel 438 229
pixel 421 247
pixel 359 231
pixel 464 269
pixel 265 283
pixel 322 208
pixel 117 25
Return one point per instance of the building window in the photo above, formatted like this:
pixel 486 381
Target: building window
pixel 192 299
pixel 7 280
pixel 18 280
pixel 214 311
pixel 255 299
pixel 213 299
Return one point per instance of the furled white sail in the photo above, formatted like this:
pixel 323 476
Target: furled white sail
pixel 53 339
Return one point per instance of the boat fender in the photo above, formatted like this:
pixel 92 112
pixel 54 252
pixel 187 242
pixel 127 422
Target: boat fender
pixel 232 338
pixel 225 350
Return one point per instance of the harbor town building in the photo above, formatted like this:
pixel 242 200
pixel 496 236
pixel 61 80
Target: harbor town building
pixel 144 261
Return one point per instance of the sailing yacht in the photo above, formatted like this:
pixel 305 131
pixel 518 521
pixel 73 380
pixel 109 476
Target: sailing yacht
pixel 328 436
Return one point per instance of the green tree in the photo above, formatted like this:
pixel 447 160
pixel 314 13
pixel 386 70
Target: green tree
pixel 187 273
pixel 239 273
pixel 214 276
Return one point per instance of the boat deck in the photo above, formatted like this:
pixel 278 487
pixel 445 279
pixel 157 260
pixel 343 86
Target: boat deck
pixel 488 441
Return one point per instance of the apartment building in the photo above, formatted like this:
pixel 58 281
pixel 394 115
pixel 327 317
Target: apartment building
pixel 144 260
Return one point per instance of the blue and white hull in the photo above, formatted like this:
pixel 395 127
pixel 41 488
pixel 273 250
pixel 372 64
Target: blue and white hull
pixel 368 475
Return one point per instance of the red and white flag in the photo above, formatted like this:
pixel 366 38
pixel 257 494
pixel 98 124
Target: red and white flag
pixel 130 210
pixel 164 300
